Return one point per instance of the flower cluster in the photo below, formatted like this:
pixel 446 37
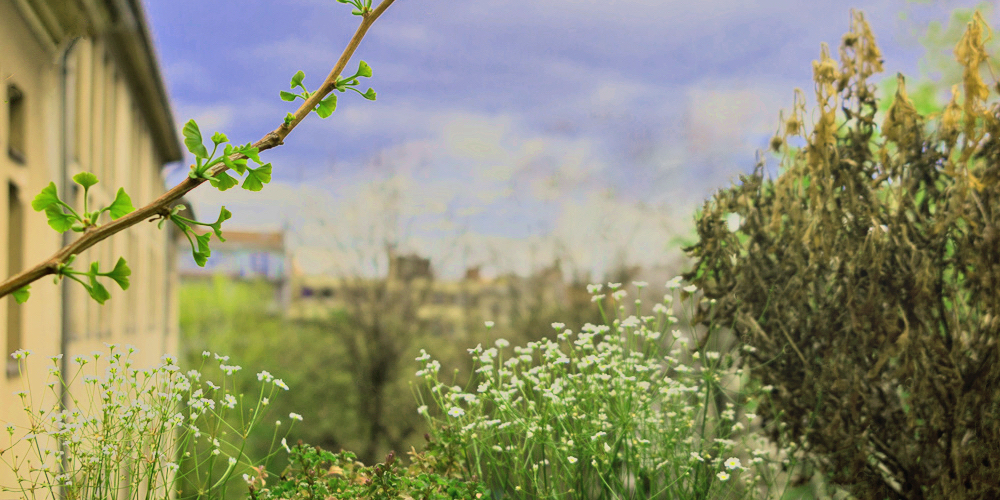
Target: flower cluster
pixel 595 409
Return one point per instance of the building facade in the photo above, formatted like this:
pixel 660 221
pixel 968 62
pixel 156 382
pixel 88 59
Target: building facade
pixel 82 93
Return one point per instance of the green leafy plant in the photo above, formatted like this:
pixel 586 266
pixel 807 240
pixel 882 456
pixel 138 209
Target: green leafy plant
pixel 125 429
pixel 316 474
pixel 209 166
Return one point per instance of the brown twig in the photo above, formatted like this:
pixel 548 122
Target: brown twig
pixel 161 206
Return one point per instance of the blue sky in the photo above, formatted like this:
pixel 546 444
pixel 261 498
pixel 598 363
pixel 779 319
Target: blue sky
pixel 505 133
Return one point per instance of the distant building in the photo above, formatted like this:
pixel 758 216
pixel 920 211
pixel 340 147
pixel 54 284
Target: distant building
pixel 452 308
pixel 244 255
pixel 81 92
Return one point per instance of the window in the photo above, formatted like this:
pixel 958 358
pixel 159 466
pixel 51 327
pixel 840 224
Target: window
pixel 16 134
pixel 15 258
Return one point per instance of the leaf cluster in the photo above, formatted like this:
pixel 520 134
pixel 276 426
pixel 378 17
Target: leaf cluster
pixel 361 7
pixel 327 106
pixel 866 278
pixel 233 157
pixel 62 217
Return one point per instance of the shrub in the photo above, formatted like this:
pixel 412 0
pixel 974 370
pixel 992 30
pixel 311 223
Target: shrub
pixel 321 475
pixel 866 276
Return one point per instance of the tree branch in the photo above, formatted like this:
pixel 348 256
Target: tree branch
pixel 160 207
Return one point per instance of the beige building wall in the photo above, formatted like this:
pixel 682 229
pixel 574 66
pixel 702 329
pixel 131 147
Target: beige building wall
pixel 84 94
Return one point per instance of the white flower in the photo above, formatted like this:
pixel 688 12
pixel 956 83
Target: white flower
pixel 456 412
pixel 592 289
pixel 501 343
pixel 232 461
pixel 295 416
pixel 723 476
pixel 559 326
pixel 489 324
pixel 284 444
pixel 422 410
pixel 280 383
pixel 264 376
pixel 571 460
pixel 674 282
pixel 733 463
pixel 733 222
pixel 640 284
pixel 20 354
pixel 690 289
pixel 614 286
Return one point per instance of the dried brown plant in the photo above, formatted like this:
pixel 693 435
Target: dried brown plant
pixel 867 277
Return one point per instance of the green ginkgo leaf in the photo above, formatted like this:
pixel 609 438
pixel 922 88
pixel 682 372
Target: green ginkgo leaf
pixel 251 152
pixel 217 226
pixel 370 95
pixel 192 139
pixel 239 166
pixel 59 220
pixel 287 96
pixel 47 197
pixel 98 292
pixel 327 106
pixel 122 205
pixel 219 138
pixel 297 79
pixel 85 179
pixel 203 248
pixel 224 181
pixel 364 69
pixel 257 177
pixel 120 273
pixel 21 294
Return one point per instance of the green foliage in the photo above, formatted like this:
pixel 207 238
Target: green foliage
pixel 361 7
pixel 316 474
pixel 204 161
pixel 327 106
pixel 865 277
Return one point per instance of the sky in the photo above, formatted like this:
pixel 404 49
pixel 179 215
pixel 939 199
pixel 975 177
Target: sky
pixel 505 134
